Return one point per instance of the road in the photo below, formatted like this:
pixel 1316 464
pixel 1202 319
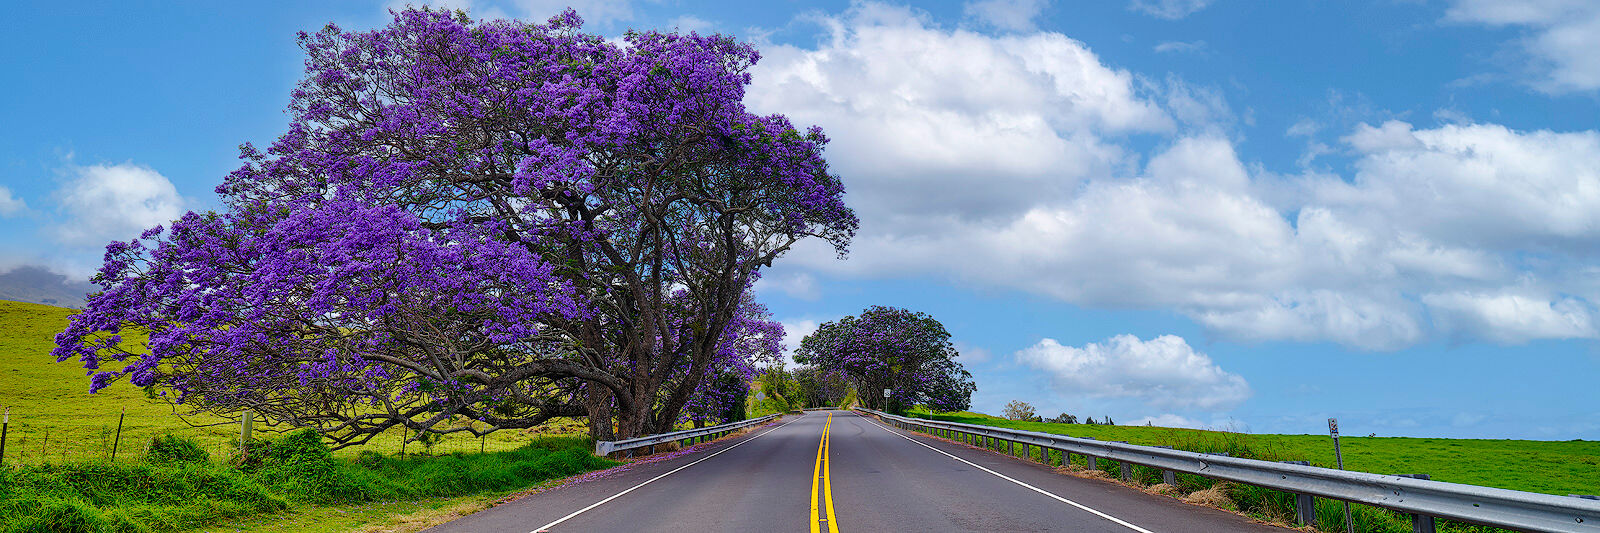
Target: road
pixel 863 476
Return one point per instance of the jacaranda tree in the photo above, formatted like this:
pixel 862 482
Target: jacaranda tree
pixel 492 220
pixel 906 353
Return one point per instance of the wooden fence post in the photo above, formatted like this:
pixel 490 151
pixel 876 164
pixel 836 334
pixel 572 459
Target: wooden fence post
pixel 118 439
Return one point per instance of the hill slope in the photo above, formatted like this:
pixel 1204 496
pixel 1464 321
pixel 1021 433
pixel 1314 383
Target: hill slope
pixel 54 418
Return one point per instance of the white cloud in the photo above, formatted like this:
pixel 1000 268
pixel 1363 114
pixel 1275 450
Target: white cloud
pixel 115 202
pixel 1476 185
pixel 1012 15
pixel 1561 38
pixel 1167 420
pixel 1164 372
pixel 690 23
pixel 795 329
pixel 1513 318
pixel 10 205
pixel 918 113
pixel 798 285
pixel 1006 161
pixel 1169 9
pixel 1180 47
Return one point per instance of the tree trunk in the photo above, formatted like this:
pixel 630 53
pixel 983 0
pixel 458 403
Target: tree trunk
pixel 597 401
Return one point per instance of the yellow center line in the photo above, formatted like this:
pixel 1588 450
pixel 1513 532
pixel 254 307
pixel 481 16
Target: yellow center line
pixel 820 471
pixel 827 479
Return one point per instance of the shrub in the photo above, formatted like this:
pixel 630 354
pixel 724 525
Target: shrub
pixel 175 449
pixel 300 465
pixel 1019 410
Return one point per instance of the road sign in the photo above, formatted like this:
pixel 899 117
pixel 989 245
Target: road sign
pixel 887 392
pixel 1338 455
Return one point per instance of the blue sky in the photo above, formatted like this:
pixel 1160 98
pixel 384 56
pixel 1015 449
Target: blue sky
pixel 1206 213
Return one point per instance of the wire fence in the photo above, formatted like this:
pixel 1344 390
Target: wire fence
pixel 34 437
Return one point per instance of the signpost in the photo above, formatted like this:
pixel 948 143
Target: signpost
pixel 1338 456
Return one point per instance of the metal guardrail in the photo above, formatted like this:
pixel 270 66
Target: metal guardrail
pixel 608 447
pixel 1422 498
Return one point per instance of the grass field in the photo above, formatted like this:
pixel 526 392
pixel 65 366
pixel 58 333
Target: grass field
pixel 60 436
pixel 1564 467
pixel 54 418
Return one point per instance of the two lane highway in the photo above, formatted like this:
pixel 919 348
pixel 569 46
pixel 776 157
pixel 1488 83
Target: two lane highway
pixel 840 471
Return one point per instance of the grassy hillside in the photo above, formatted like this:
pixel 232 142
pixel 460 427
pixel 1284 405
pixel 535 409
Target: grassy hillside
pixel 55 419
pixel 1562 468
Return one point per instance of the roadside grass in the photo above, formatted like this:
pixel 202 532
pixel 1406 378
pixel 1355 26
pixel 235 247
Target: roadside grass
pixel 294 473
pixel 1536 466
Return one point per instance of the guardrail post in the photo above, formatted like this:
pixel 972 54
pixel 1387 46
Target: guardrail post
pixel 1089 460
pixel 1011 448
pixel 1305 506
pixel 1167 476
pixel 1124 467
pixel 1420 523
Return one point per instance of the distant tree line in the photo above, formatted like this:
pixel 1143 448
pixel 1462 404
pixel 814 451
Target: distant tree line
pixel 1023 411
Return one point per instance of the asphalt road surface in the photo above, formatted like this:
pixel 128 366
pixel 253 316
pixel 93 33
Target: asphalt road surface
pixel 858 475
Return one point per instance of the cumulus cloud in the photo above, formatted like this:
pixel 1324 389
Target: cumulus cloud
pixel 1561 37
pixel 1009 161
pixel 1013 15
pixel 912 106
pixel 1164 372
pixel 1479 185
pixel 10 205
pixel 1513 318
pixel 114 202
pixel 1169 9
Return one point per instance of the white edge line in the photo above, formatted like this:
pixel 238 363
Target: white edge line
pixel 547 527
pixel 1008 478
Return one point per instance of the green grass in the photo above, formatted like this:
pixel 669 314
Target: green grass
pixel 58 476
pixel 1551 467
pixel 1535 466
pixel 55 419
pixel 294 470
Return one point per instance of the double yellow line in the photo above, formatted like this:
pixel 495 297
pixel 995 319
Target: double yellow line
pixel 820 472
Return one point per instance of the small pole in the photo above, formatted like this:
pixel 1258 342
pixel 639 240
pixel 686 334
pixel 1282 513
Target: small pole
pixel 118 439
pixel 244 435
pixel 4 427
pixel 1338 456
